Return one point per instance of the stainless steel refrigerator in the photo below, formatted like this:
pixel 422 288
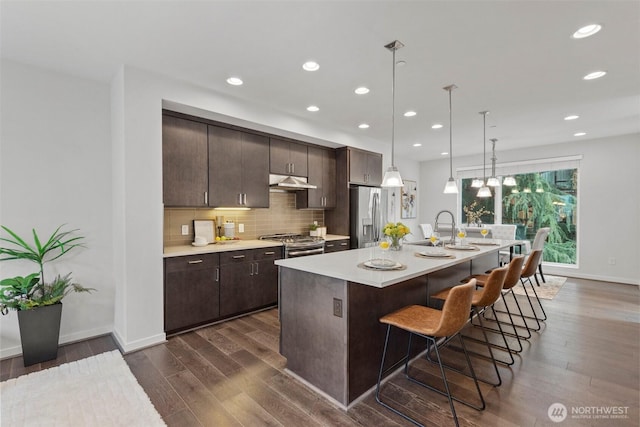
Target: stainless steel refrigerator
pixel 367 215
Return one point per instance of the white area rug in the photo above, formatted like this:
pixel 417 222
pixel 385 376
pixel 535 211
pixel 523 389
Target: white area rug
pixel 546 290
pixel 97 391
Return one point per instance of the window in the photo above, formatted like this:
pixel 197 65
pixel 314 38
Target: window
pixel 540 199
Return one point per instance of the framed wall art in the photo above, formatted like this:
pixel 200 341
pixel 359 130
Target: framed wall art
pixel 409 199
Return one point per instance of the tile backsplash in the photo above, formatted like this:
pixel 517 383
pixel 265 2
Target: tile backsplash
pixel 281 217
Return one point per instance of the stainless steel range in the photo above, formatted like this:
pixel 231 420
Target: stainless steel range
pixel 297 245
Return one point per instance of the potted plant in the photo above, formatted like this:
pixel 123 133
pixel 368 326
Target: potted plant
pixel 313 230
pixel 38 302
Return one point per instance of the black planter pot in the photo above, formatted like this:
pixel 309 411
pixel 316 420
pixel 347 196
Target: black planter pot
pixel 39 333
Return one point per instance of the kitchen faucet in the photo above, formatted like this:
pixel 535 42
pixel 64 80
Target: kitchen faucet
pixel 453 225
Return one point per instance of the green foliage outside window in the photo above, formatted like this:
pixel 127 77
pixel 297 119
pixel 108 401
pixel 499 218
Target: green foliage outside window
pixel 546 199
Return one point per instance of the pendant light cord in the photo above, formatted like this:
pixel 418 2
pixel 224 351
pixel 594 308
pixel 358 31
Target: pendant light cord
pixel 484 144
pixel 493 158
pixel 393 107
pixel 450 136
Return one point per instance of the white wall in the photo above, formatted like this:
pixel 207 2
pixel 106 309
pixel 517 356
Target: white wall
pixel 55 168
pixel 608 213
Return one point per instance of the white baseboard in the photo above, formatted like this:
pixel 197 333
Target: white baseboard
pixel 128 347
pixel 573 273
pixel 64 339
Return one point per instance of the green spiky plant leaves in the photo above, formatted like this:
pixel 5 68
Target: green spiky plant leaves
pixel 23 293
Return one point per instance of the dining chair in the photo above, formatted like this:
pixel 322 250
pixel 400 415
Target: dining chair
pixel 538 244
pixel 503 232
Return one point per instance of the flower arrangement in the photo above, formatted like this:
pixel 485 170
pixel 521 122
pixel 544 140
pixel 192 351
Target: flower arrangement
pixel 396 232
pixel 474 212
pixel 31 291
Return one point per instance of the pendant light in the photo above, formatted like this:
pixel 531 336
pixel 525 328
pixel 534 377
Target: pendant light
pixel 484 190
pixel 509 181
pixel 392 178
pixel 450 187
pixel 477 183
pixel 493 181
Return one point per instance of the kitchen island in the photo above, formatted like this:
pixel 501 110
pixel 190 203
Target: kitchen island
pixel 330 305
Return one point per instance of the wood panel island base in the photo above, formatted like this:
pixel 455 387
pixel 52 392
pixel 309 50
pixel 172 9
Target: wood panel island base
pixel 329 311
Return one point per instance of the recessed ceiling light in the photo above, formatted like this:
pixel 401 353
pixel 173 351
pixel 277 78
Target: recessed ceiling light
pixel 436 126
pixel 572 117
pixel 362 90
pixel 401 63
pixel 444 153
pixel 417 144
pixel 410 114
pixel 594 75
pixel 313 108
pixel 363 126
pixel 311 66
pixel 586 31
pixel 579 134
pixel 235 81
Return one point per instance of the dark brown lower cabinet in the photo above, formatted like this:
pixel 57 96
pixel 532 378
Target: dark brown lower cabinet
pixel 201 289
pixel 248 280
pixel 191 291
pixel 336 245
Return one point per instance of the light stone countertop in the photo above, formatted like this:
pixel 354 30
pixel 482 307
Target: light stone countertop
pixel 344 265
pixel 235 245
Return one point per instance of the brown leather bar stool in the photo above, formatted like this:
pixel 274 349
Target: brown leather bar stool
pixel 530 270
pixel 483 298
pixel 526 273
pixel 511 279
pixel 432 324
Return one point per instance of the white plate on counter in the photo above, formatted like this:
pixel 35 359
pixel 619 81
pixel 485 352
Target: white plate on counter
pixel 382 264
pixel 461 247
pixel 434 254
pixel 482 243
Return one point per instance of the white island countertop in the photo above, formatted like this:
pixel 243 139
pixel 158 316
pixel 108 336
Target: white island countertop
pixel 344 265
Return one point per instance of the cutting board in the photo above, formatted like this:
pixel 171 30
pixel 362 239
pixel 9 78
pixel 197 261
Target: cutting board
pixel 205 229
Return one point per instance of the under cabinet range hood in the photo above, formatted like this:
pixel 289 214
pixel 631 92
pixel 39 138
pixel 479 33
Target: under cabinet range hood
pixel 289 183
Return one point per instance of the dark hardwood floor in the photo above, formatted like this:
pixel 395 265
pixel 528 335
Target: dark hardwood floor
pixel 586 356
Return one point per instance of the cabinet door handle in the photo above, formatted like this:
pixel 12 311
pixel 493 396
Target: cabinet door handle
pixel 197 261
pixel 244 199
pixel 206 197
pixel 256 269
pixel 329 245
pixel 343 244
pixel 293 168
pixel 239 198
pixel 238 256
pixel 217 274
pixel 251 273
pixel 270 253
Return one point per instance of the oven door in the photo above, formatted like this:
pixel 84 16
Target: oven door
pixel 294 252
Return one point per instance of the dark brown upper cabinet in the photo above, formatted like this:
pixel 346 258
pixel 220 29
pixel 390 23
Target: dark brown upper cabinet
pixel 238 168
pixel 288 158
pixel 365 167
pixel 185 166
pixel 322 173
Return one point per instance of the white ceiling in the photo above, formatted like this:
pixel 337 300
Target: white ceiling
pixel 513 58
